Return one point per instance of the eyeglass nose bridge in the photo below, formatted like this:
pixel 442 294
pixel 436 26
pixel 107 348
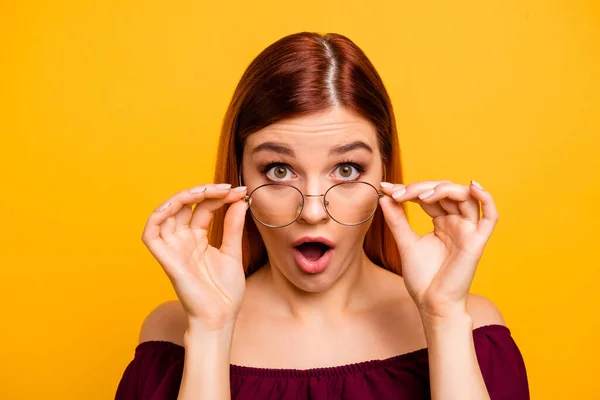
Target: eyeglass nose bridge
pixel 325 202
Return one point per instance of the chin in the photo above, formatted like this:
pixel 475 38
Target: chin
pixel 312 282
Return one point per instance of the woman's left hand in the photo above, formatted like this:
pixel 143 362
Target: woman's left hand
pixel 438 268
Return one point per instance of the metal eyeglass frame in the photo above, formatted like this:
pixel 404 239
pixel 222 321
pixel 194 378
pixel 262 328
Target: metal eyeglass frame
pixel 325 203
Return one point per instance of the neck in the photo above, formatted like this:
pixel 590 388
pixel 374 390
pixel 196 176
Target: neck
pixel 349 293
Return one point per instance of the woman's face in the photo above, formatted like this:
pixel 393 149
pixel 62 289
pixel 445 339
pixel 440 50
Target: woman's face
pixel 312 153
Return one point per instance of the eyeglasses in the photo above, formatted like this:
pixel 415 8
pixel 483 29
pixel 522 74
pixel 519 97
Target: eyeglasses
pixel 276 205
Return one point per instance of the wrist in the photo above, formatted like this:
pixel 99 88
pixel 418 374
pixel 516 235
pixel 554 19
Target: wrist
pixel 199 332
pixel 457 319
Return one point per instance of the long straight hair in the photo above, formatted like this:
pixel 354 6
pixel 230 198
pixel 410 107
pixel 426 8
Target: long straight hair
pixel 300 74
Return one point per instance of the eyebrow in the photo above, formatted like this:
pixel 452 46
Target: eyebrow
pixel 281 148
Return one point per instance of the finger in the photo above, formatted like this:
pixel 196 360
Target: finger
pixel 183 216
pixel 489 217
pixel 181 219
pixel 151 235
pixel 395 217
pixel 470 209
pixel 433 210
pixel 233 228
pixel 467 204
pixel 216 197
pixel 451 207
pixel 181 208
pixel 409 192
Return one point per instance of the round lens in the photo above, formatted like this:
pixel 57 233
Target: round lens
pixel 275 205
pixel 351 203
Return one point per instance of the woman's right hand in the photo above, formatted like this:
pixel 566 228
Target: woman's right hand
pixel 209 282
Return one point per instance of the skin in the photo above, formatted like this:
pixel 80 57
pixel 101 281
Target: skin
pixel 251 322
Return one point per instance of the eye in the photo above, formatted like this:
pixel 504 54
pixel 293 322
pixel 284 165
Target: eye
pixel 278 172
pixel 348 171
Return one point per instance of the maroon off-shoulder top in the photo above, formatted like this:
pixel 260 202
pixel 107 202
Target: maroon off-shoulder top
pixel 156 370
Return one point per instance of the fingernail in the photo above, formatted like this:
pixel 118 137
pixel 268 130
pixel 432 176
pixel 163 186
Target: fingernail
pixel 164 206
pixel 387 185
pixel 239 189
pixel 399 193
pixel 477 185
pixel 198 189
pixel 223 186
pixel 426 194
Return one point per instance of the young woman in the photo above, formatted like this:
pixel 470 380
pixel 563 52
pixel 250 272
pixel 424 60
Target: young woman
pixel 305 280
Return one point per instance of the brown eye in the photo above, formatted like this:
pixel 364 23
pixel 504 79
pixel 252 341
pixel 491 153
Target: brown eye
pixel 280 172
pixel 345 171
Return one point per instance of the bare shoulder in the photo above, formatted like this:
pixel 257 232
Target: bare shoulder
pixel 167 322
pixel 483 311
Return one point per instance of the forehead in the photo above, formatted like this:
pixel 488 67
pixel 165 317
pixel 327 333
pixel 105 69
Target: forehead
pixel 317 131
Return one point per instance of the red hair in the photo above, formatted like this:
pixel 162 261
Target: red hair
pixel 300 74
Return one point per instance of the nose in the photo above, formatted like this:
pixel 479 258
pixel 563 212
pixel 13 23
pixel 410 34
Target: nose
pixel 314 210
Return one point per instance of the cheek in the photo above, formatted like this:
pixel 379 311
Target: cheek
pixel 351 239
pixel 361 232
pixel 273 238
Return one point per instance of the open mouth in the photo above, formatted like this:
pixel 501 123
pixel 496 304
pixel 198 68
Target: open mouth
pixel 312 251
pixel 313 254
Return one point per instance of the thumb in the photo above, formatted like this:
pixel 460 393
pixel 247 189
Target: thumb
pixel 233 227
pixel 395 217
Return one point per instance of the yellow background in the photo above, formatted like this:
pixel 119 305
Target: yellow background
pixel 108 107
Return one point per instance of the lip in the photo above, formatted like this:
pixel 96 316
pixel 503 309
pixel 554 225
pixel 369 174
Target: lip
pixel 313 267
pixel 321 239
